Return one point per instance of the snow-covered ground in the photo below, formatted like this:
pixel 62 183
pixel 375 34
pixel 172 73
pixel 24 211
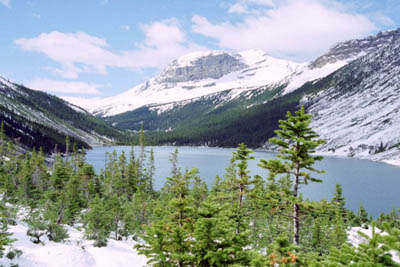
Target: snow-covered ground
pixel 79 252
pixel 356 239
pixel 76 252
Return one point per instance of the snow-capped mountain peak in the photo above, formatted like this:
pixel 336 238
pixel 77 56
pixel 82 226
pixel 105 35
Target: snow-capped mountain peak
pixel 208 72
pixel 198 74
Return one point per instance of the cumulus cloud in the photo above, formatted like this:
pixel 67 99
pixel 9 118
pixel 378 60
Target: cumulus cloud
pixel 297 29
pixel 81 52
pixel 6 3
pixel 67 87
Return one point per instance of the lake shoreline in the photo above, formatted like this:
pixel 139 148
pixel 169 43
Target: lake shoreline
pixel 372 183
pixel 392 162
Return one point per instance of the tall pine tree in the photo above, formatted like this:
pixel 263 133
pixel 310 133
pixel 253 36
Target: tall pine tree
pixel 296 142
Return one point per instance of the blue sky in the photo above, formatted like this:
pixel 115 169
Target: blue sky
pixel 99 48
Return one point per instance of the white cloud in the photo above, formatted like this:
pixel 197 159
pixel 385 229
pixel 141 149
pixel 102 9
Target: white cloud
pixel 259 2
pixel 247 6
pixel 81 52
pixel 6 3
pixel 37 16
pixel 125 27
pixel 238 8
pixel 67 87
pixel 86 103
pixel 296 29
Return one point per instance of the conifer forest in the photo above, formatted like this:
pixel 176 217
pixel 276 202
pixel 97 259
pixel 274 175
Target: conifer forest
pixel 241 220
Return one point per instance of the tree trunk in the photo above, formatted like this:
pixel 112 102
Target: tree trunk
pixel 296 219
pixel 296 224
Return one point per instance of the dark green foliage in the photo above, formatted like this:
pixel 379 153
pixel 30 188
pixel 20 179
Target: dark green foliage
pixel 282 252
pixel 339 201
pixel 74 199
pixel 363 217
pixel 98 222
pixel 172 233
pixel 5 240
pixel 296 143
pixel 221 239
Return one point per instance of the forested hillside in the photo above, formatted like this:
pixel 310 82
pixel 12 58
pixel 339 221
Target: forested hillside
pixel 36 119
pixel 227 125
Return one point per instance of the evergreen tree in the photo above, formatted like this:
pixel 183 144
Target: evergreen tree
pixel 114 206
pixel 74 199
pixel 157 245
pixel 175 227
pixel 339 200
pixel 283 253
pixel 150 173
pixel 98 222
pixel 5 240
pixel 2 143
pixel 219 239
pixel 338 236
pixel 132 175
pixel 28 191
pixel 242 155
pixel 363 216
pixel 296 142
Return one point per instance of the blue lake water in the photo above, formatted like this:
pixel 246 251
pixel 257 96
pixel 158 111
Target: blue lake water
pixel 376 185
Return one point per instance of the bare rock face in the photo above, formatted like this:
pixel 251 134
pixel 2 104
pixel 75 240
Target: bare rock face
pixel 212 65
pixel 351 49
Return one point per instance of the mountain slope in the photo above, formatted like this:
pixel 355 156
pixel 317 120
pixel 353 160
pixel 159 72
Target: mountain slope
pixel 203 73
pixel 34 118
pixel 196 75
pixel 351 90
pixel 359 114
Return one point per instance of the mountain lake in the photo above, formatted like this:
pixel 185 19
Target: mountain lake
pixel 374 184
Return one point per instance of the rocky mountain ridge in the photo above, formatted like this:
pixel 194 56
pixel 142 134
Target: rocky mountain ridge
pixel 351 90
pixel 209 72
pixel 197 75
pixel 359 114
pixel 35 119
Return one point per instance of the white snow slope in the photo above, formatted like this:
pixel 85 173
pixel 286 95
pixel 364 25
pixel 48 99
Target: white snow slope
pixel 355 239
pixel 255 69
pixel 360 114
pixel 77 252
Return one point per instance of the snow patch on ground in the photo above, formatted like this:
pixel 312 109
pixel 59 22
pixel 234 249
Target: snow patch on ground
pixel 7 83
pixel 306 74
pixel 356 239
pixel 76 252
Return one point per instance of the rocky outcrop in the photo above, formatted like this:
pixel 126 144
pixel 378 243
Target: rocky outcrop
pixel 352 49
pixel 212 65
